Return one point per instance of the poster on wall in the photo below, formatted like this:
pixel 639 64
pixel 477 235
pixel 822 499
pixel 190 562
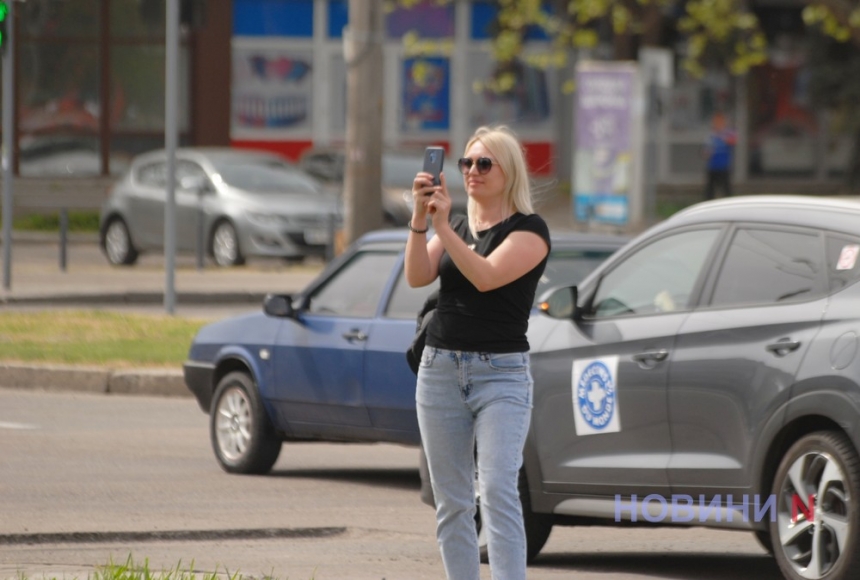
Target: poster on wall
pixel 607 142
pixel 272 92
pixel 426 94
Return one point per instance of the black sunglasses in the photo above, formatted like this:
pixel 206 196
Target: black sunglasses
pixel 484 164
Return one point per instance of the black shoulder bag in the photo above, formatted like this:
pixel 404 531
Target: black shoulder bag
pixel 413 354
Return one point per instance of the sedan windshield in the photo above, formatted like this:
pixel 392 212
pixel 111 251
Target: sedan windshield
pixel 266 178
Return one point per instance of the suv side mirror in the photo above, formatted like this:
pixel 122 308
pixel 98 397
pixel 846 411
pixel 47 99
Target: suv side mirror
pixel 560 303
pixel 279 305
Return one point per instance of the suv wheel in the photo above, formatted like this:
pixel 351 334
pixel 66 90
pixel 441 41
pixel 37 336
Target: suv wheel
pixel 117 243
pixel 818 539
pixel 242 436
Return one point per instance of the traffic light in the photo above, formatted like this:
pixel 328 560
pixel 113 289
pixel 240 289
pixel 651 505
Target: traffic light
pixel 4 17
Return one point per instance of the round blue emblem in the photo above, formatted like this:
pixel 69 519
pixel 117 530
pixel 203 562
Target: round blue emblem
pixel 595 395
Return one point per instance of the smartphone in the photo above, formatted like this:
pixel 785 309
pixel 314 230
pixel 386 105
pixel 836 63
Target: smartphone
pixel 433 158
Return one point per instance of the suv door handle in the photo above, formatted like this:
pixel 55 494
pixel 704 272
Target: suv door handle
pixel 355 335
pixel 649 359
pixel 783 346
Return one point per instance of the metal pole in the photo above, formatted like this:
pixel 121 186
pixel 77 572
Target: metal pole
pixel 64 237
pixel 8 142
pixel 171 137
pixel 201 238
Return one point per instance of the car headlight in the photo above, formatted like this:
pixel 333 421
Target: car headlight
pixel 265 219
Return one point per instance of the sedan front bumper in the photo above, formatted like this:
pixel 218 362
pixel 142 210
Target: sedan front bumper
pixel 198 377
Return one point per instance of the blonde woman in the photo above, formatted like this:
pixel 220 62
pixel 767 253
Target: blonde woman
pixel 474 381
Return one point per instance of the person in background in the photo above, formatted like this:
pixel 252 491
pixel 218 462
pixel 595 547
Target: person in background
pixel 718 152
pixel 474 389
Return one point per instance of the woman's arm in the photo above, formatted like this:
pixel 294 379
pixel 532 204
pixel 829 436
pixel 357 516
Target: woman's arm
pixel 422 257
pixel 518 253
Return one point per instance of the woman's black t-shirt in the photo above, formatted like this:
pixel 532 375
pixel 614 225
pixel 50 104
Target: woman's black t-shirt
pixel 495 321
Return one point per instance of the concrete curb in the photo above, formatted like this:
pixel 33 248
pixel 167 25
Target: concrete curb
pixel 33 237
pixel 62 378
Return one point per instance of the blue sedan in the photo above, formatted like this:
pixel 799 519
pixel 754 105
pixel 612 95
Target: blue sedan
pixel 329 363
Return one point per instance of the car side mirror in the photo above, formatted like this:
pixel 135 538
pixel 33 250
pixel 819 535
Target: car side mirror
pixel 279 306
pixel 560 303
pixel 196 183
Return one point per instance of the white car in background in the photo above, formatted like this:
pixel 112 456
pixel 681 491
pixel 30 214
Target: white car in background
pixel 248 203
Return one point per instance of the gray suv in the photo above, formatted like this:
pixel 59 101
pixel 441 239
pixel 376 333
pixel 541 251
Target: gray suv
pixel 708 375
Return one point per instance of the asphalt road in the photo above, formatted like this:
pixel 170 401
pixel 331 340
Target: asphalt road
pixel 86 479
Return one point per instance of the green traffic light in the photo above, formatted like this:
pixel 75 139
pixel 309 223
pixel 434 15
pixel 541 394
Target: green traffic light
pixel 4 12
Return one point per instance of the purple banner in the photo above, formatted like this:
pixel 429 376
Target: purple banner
pixel 604 142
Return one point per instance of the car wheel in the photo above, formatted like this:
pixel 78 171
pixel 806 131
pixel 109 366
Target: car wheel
pixel 117 244
pixel 537 526
pixel 822 540
pixel 225 245
pixel 242 435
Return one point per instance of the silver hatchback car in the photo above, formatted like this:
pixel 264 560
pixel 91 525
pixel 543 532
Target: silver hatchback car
pixel 236 203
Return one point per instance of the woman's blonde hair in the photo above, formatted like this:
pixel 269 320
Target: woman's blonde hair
pixel 506 148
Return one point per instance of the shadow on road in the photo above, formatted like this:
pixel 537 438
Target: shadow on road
pixel 687 566
pixel 407 479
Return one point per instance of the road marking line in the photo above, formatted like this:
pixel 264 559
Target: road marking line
pixel 5 425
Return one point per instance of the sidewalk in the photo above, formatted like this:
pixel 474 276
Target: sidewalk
pixel 37 278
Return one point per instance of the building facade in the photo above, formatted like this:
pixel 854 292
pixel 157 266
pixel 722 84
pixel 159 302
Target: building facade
pixel 271 74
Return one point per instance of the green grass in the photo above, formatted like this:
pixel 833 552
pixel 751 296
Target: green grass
pixel 132 571
pixel 79 221
pixel 84 337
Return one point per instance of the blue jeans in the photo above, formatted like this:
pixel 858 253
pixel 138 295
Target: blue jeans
pixel 464 399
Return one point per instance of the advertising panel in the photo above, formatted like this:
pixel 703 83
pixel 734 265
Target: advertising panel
pixel 607 146
pixel 272 91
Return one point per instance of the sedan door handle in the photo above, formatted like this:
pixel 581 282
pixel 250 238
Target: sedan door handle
pixel 355 335
pixel 783 347
pixel 649 358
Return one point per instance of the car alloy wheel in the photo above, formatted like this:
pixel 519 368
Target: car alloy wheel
pixel 225 245
pixel 242 435
pixel 815 535
pixel 117 244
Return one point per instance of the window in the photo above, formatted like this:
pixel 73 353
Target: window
pixel 60 108
pixel 65 119
pixel 153 174
pixel 406 301
pixel 357 288
pixel 188 172
pixel 770 266
pixel 568 267
pixel 657 278
pixel 266 178
pixel 842 258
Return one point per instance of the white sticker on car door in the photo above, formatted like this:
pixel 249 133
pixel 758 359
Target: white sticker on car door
pixel 595 396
